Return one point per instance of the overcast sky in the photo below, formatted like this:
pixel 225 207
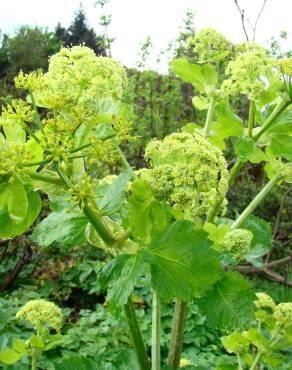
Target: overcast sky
pixel 134 20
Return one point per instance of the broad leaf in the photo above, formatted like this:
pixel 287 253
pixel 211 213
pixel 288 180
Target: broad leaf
pixel 144 214
pixel 247 150
pixel 200 102
pixel 120 275
pixel 17 201
pixel 4 195
pixel 262 237
pixel 182 263
pixel 281 146
pixel 227 125
pixel 229 304
pixel 114 196
pixel 10 228
pixel 63 227
pixel 14 133
pixel 75 362
pixel 201 77
pixel 9 356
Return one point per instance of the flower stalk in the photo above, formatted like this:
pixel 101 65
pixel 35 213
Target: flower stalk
pixel 155 348
pixel 175 348
pixel 256 201
pixel 136 337
pixel 209 117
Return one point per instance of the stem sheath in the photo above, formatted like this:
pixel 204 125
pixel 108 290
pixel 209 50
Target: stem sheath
pixel 209 117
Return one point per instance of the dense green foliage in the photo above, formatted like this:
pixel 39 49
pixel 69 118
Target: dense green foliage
pixel 103 243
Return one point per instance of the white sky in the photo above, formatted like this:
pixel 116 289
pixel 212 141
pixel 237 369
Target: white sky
pixel 134 20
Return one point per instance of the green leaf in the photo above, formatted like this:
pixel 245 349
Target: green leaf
pixel 10 228
pixel 17 201
pixel 14 133
pixel 9 356
pixel 200 102
pixel 75 362
pixel 183 264
pixel 121 275
pixel 114 196
pixel 201 77
pixel 244 148
pixel 51 189
pixel 125 360
pixel 257 339
pixel 144 214
pixel 37 342
pixel 262 237
pixel 63 227
pixel 227 125
pixel 281 146
pixel 217 233
pixel 4 195
pixel 229 304
pixel 19 346
pixel 235 343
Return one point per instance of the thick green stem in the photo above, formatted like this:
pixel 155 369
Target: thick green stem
pixel 48 179
pixel 239 362
pixel 177 331
pixel 39 163
pixel 33 362
pixel 123 158
pixel 251 117
pixel 155 348
pixel 137 341
pixel 209 117
pixel 234 171
pixel 96 221
pixel 272 117
pixel 256 201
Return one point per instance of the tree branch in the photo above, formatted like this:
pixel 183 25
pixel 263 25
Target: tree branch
pixel 266 271
pixel 242 16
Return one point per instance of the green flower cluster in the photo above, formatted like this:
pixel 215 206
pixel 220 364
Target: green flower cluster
pixel 18 112
pixel 250 73
pixel 283 315
pixel 237 242
pixel 211 46
pixel 286 66
pixel 187 171
pixel 83 192
pixel 42 314
pixel 13 157
pixel 76 75
pixel 264 301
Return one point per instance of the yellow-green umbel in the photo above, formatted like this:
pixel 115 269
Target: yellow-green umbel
pixel 211 46
pixel 188 172
pixel 76 75
pixel 249 73
pixel 42 314
pixel 283 315
pixel 237 242
pixel 264 301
